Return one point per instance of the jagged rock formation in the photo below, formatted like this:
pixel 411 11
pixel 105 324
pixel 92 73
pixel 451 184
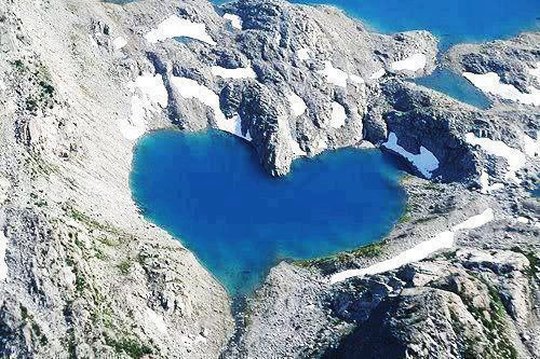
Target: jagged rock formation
pixel 469 304
pixel 83 274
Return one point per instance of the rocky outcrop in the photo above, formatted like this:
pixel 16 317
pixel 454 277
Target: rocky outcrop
pixel 463 305
pixel 86 275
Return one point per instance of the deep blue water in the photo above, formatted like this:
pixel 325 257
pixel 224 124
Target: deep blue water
pixel 209 190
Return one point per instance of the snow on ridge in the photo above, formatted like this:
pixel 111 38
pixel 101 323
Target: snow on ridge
pixel 188 88
pixel 338 77
pixel 412 63
pixel 119 43
pixel 238 73
pixel 148 95
pixel 515 158
pixel 338 115
pixel 297 104
pixel 443 240
pixel 491 83
pixel 175 26
pixel 425 161
pixel 235 20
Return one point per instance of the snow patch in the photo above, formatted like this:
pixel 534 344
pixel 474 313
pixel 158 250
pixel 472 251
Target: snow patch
pixel 356 79
pixel 188 88
pixel 421 251
pixel 486 187
pixel 235 20
pixel 476 221
pixel 334 75
pixel 151 87
pixel 532 146
pixel 491 83
pixel 298 106
pixel 515 158
pixel 175 26
pixel 148 95
pixel 425 161
pixel 157 320
pixel 412 63
pixel 338 115
pixel 338 77
pixel 238 73
pixel 378 74
pixel 119 43
pixel 303 54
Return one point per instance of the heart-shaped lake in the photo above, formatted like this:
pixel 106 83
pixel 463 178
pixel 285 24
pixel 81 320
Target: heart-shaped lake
pixel 209 190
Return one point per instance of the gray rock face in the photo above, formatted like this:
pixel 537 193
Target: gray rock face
pixel 454 307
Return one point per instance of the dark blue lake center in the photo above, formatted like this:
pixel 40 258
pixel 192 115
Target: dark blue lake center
pixel 209 190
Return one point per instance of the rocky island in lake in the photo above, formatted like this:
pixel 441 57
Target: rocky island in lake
pixel 90 268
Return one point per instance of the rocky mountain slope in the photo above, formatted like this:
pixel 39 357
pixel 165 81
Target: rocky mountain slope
pixel 83 274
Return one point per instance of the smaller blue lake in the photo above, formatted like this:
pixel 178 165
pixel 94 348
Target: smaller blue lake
pixel 455 86
pixel 451 21
pixel 210 190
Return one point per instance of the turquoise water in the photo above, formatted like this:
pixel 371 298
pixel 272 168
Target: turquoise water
pixel 452 21
pixel 209 190
pixel 455 86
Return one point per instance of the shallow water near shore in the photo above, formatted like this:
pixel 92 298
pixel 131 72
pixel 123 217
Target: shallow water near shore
pixel 209 190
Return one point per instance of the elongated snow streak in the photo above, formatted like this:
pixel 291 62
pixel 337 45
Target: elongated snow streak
pixel 420 251
pixel 412 63
pixel 175 26
pixel 476 221
pixel 443 240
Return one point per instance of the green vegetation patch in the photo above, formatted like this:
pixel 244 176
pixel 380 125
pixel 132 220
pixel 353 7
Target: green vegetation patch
pixel 369 251
pixel 129 346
